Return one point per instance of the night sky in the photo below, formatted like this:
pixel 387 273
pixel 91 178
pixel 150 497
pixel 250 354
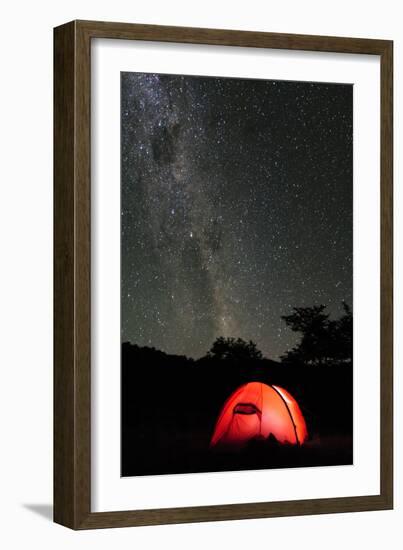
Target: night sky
pixel 236 206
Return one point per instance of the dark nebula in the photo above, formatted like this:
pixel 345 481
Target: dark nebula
pixel 237 204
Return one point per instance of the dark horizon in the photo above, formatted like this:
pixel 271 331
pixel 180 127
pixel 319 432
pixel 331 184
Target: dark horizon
pixel 236 207
pixel 277 359
pixel 171 406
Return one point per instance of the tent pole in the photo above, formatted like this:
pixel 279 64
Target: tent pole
pixel 289 412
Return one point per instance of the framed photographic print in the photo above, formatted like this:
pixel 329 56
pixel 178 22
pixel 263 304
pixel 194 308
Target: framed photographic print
pixel 223 275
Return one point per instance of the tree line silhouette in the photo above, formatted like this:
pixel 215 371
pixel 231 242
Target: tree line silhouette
pixel 323 341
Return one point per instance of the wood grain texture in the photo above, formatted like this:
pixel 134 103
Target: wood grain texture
pixel 64 381
pixel 72 268
pixel 72 216
pixel 220 37
pixel 387 273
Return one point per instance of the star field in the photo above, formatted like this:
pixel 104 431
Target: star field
pixel 236 206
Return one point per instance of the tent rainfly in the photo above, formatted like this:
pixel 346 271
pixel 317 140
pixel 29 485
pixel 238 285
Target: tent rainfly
pixel 256 411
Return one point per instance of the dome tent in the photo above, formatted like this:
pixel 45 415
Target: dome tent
pixel 257 411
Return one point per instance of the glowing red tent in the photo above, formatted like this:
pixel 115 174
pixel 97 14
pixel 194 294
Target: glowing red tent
pixel 256 410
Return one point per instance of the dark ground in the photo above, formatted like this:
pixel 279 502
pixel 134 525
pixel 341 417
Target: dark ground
pixel 170 405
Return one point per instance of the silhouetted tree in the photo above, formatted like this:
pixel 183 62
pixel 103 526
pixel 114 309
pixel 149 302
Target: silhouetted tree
pixel 343 335
pixel 323 340
pixel 234 349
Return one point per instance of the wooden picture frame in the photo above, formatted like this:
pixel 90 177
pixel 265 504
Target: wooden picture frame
pixel 72 296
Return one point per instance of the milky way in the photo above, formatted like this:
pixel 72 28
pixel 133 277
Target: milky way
pixel 236 206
